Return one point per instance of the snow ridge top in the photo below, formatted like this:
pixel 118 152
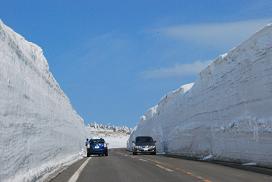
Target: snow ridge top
pixel 257 43
pixel 29 53
pixel 32 52
pixel 122 129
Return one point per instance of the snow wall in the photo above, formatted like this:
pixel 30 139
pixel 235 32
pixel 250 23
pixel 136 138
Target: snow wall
pixel 39 130
pixel 226 113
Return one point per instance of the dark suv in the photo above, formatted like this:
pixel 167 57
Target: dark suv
pixel 97 147
pixel 144 144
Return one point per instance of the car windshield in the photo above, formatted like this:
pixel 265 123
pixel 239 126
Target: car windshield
pixel 97 141
pixel 144 139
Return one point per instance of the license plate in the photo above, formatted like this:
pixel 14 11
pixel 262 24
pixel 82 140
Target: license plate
pixel 145 149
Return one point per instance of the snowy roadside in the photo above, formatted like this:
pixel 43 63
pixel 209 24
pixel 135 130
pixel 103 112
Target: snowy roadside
pixel 116 141
pixel 48 170
pixel 40 131
pixel 115 136
pixel 226 114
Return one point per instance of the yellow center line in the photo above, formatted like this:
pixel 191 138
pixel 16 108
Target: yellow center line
pixel 164 168
pixel 188 173
pixel 168 167
pixel 206 180
pixel 200 178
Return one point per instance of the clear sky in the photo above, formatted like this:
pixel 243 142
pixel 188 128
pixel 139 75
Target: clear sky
pixel 115 59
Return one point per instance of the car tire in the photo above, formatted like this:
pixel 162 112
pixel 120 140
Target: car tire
pixel 134 153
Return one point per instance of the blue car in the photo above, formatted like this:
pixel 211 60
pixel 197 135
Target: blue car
pixel 97 147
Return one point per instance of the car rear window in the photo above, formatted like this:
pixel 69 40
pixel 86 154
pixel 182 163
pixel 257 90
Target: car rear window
pixel 144 139
pixel 97 141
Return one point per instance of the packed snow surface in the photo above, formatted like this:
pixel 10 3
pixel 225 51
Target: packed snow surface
pixel 226 114
pixel 39 130
pixel 115 136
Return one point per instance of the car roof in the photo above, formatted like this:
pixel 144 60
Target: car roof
pixel 143 137
pixel 97 139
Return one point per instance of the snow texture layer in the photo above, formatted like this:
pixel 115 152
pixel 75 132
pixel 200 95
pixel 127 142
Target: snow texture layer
pixel 226 114
pixel 39 130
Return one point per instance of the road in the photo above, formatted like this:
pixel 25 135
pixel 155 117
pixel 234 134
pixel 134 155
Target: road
pixel 121 166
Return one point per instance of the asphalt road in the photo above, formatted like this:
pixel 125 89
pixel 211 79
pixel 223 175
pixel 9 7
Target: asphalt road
pixel 121 166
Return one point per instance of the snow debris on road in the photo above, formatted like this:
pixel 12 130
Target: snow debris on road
pixel 208 157
pixel 250 164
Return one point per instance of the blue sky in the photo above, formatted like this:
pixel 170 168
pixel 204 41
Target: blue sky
pixel 115 59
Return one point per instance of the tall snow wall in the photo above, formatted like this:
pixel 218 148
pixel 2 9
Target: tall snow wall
pixel 226 113
pixel 39 129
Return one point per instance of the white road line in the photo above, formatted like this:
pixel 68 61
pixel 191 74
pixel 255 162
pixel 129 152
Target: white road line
pixel 79 170
pixel 164 168
pixel 143 160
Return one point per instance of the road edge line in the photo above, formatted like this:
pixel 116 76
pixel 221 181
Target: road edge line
pixel 78 171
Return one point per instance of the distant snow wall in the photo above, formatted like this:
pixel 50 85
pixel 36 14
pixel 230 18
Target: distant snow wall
pixel 39 129
pixel 226 114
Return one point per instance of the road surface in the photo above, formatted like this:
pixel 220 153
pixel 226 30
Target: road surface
pixel 121 166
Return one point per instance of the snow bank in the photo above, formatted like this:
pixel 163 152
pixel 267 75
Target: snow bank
pixel 115 136
pixel 226 114
pixel 116 140
pixel 39 130
pixel 108 127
